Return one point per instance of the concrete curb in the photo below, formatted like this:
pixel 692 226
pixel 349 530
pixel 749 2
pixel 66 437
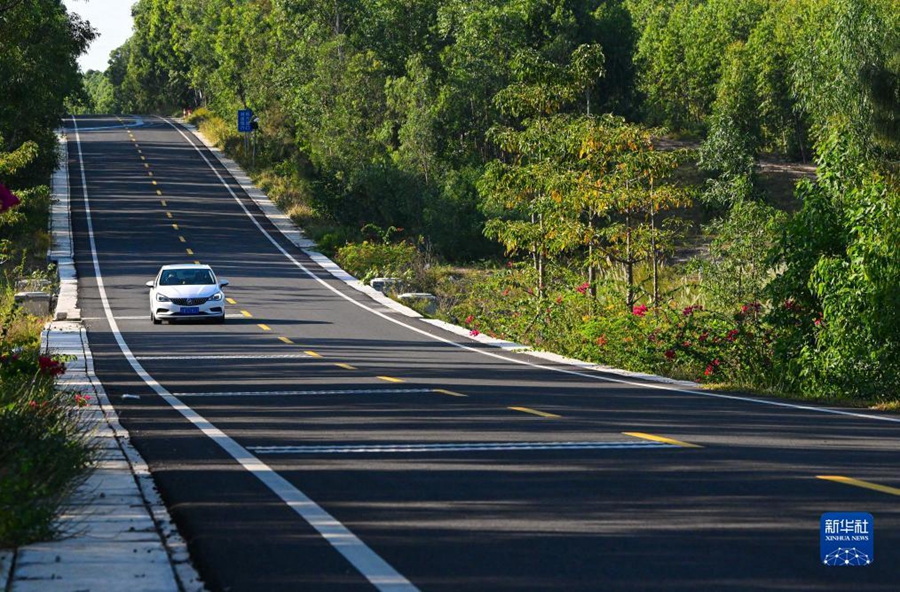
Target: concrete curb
pixel 116 517
pixel 296 236
pixel 61 246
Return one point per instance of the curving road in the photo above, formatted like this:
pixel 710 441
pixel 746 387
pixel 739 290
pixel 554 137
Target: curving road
pixel 318 440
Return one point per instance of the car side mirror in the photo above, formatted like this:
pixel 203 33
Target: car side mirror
pixel 149 284
pixel 223 283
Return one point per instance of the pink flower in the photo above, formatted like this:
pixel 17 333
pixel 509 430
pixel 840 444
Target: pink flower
pixel 583 288
pixel 474 333
pixel 469 319
pixel 639 310
pixel 818 322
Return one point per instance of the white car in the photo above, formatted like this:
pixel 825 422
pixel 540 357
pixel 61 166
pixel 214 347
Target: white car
pixel 186 292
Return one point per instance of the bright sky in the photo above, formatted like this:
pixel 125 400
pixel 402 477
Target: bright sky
pixel 112 18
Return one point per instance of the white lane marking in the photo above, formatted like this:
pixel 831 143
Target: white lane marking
pixel 262 357
pixel 308 393
pixel 460 447
pixel 375 569
pixel 513 360
pixel 147 318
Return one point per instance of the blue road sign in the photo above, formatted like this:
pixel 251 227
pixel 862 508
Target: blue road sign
pixel 245 117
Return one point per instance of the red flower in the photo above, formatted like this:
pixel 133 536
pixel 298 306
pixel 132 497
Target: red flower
pixel 710 370
pixel 51 367
pixel 688 311
pixel 469 319
pixel 818 322
pixel 732 335
pixel 82 400
pixel 602 341
pixel 639 310
pixel 704 336
pixel 506 292
pixel 583 288
pixel 7 199
pixel 686 345
pixel 509 264
pixel 716 362
pixel 670 354
pixel 559 299
pixel 474 333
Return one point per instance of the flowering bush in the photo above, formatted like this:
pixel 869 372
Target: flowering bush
pixel 43 441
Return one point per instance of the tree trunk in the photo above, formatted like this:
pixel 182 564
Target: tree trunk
pixel 629 262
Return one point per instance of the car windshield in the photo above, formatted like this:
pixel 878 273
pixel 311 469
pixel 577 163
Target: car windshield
pixel 186 277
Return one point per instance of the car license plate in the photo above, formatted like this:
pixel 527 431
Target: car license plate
pixel 190 310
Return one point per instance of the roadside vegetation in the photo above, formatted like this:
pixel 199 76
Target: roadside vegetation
pixel 44 448
pixel 593 177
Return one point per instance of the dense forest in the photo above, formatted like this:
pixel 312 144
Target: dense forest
pixel 589 141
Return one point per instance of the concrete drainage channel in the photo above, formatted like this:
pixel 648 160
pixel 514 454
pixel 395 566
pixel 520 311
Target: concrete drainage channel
pixel 116 517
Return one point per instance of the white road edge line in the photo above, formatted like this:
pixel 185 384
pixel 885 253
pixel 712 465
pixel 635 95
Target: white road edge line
pixel 513 360
pixel 369 564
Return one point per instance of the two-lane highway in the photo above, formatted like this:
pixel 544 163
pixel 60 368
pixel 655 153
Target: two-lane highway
pixel 318 440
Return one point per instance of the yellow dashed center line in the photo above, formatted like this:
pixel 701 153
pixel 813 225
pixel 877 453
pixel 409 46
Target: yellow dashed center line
pixel 168 214
pixel 285 340
pixel 534 412
pixel 346 366
pixel 196 263
pixel 264 327
pixel 451 393
pixel 228 300
pixel 247 314
pixel 147 166
pixel 153 181
pixel 312 354
pixel 158 192
pixel 150 173
pixel 163 202
pixel 662 439
pixel 182 239
pixel 860 483
pixel 388 379
pixel 175 226
pixel 189 252
pixel 142 156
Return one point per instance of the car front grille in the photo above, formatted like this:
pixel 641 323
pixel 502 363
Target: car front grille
pixel 189 301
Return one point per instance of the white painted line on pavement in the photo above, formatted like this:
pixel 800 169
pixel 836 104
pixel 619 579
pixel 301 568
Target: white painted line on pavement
pixel 147 318
pixel 460 447
pixel 369 564
pixel 388 318
pixel 307 393
pixel 224 357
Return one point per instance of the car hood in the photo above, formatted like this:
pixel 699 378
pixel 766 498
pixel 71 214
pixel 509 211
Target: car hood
pixel 204 291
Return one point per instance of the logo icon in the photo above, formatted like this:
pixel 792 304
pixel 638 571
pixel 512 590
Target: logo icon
pixel 847 539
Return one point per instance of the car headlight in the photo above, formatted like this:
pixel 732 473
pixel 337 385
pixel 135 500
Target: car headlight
pixel 162 298
pixel 217 296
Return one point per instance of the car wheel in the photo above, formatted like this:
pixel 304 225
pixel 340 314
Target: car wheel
pixel 155 320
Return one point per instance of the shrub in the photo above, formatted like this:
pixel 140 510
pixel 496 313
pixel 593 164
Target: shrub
pixel 44 447
pixel 367 260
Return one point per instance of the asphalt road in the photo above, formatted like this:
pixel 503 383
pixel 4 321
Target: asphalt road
pixel 227 416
